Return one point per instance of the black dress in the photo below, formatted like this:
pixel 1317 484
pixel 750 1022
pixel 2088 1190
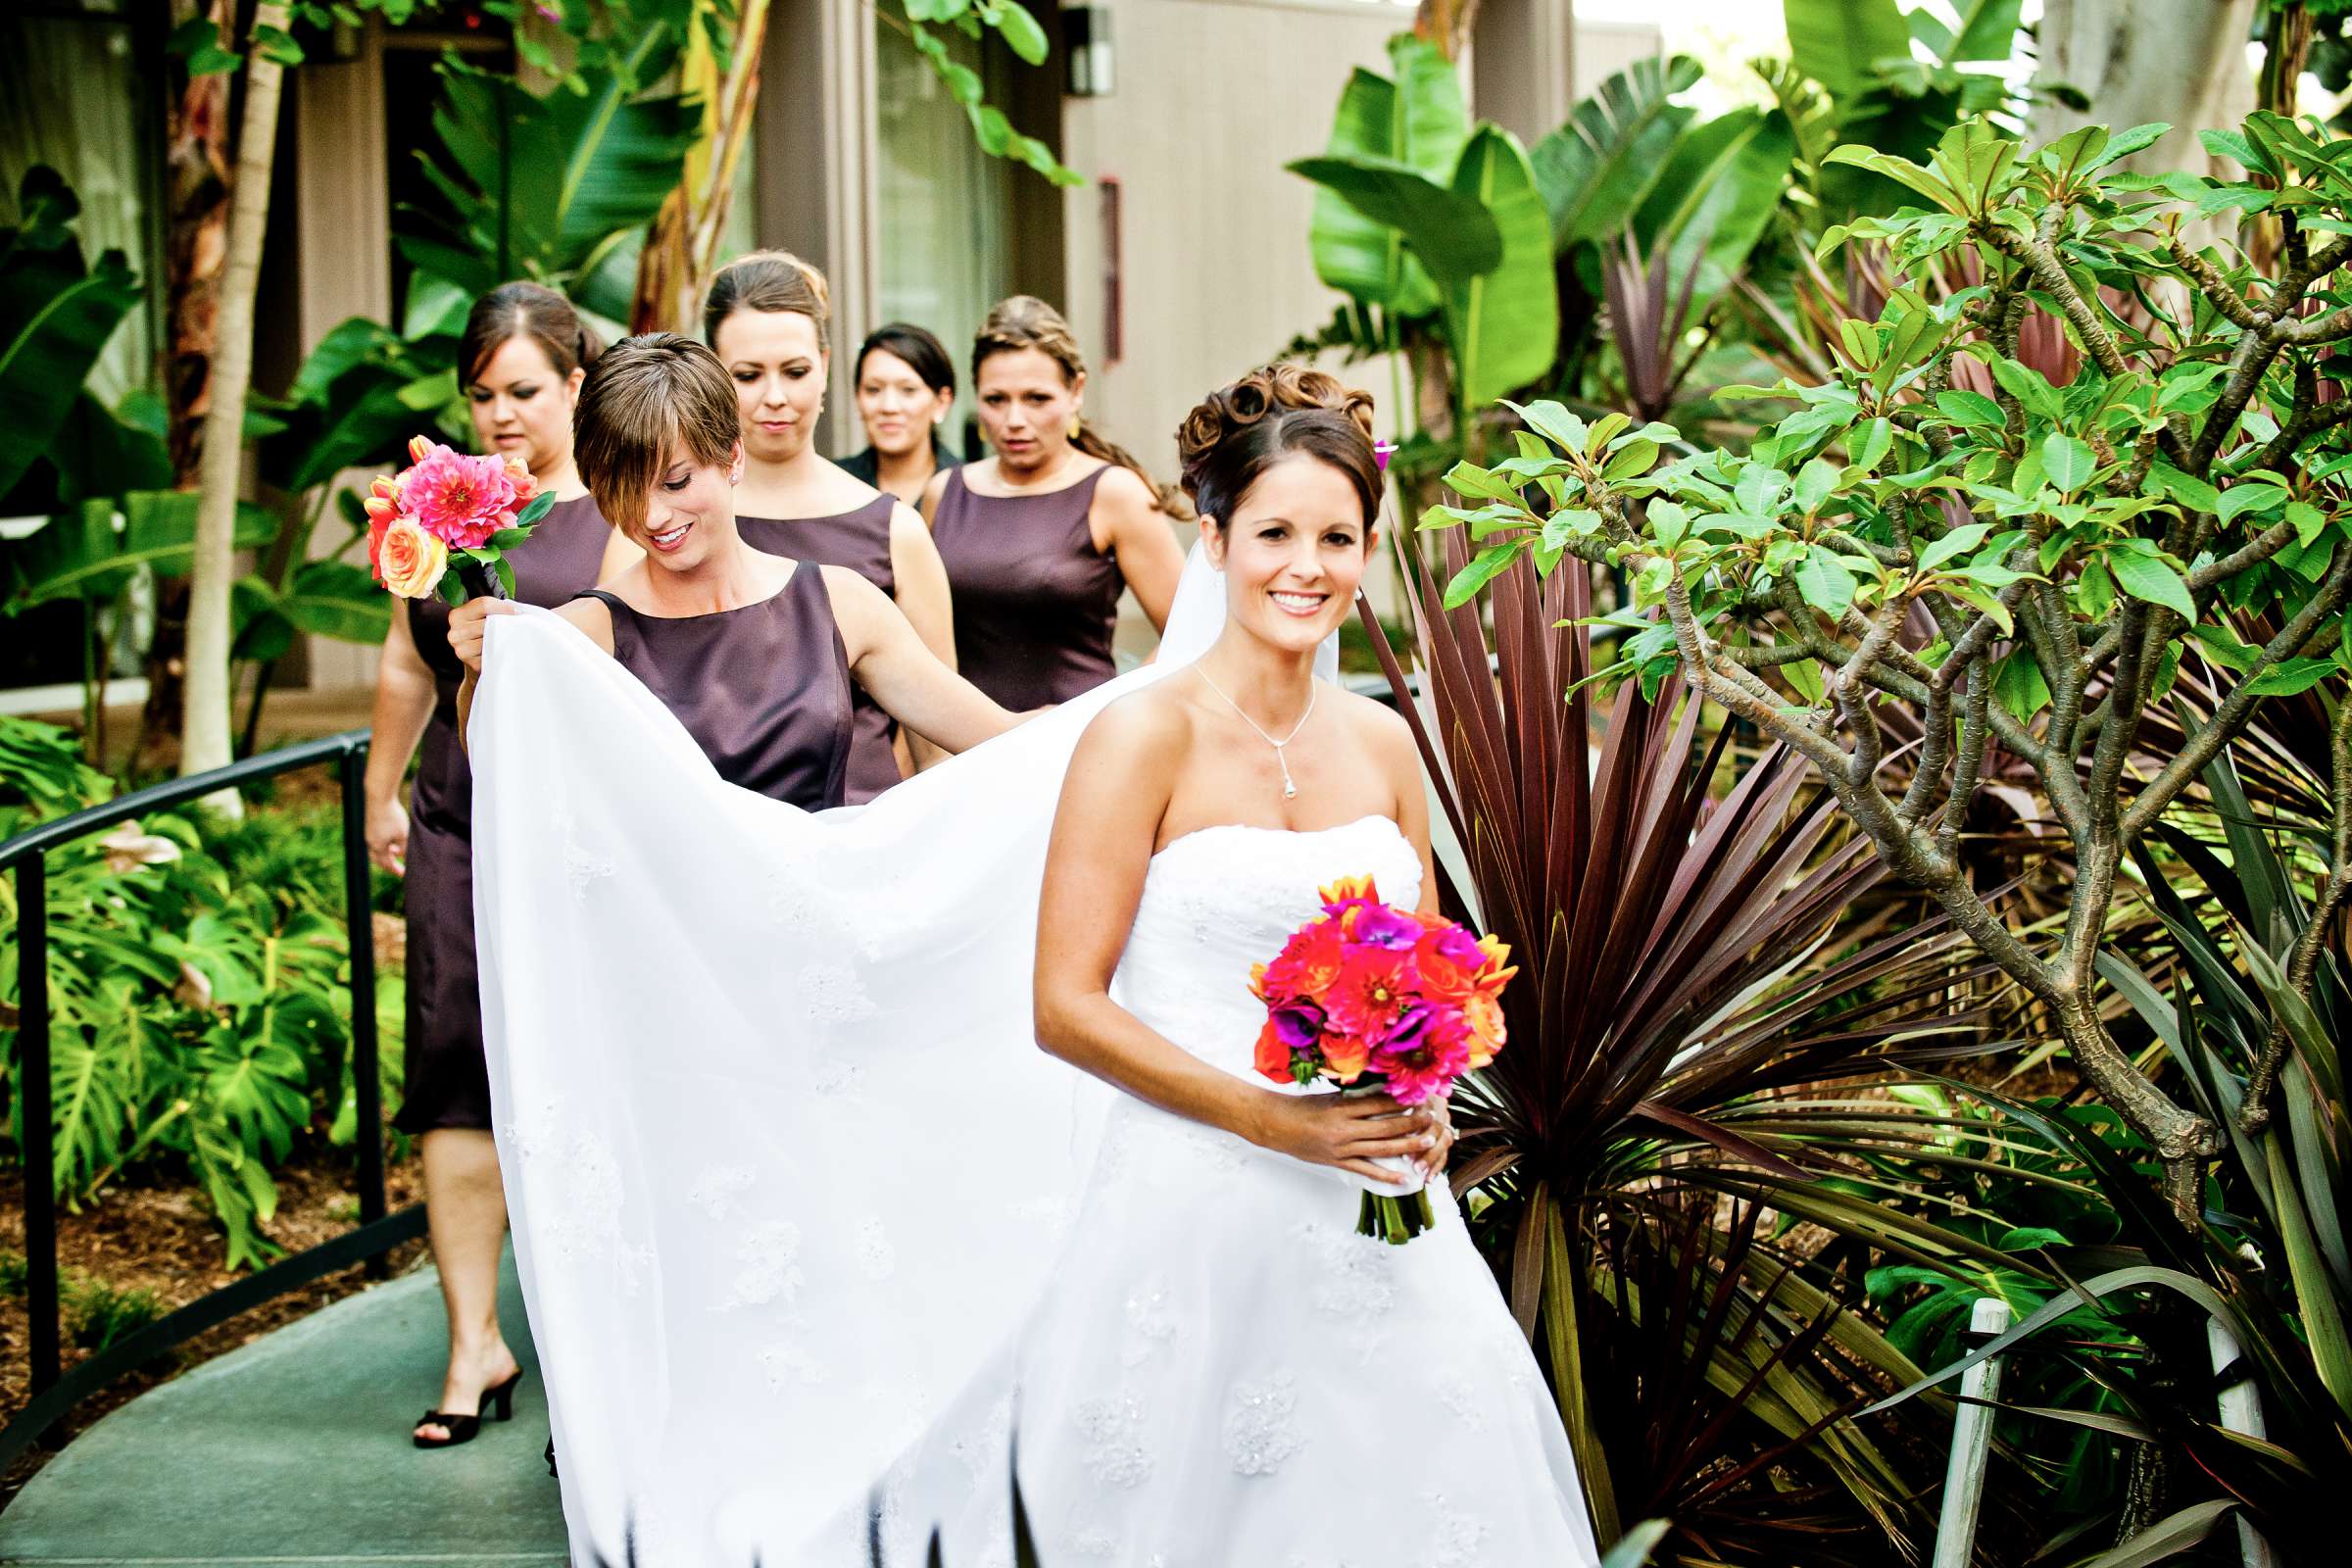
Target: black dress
pixel 763 689
pixel 861 540
pixel 1036 603
pixel 445 1082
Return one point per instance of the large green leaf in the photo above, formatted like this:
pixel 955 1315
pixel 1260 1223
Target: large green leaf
pixel 336 599
pixel 81 554
pixel 1504 325
pixel 1838 43
pixel 1594 171
pixel 1988 30
pixel 1360 255
pixel 1717 196
pixel 1433 118
pixel 45 360
pixel 543 187
pixel 1452 232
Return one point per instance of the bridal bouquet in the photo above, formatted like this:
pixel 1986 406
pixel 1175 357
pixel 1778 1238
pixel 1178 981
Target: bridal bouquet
pixel 446 502
pixel 1372 996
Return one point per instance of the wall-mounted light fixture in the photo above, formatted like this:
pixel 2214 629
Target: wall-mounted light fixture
pixel 1086 31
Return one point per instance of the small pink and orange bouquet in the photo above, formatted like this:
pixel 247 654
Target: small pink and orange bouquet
pixel 448 503
pixel 1371 998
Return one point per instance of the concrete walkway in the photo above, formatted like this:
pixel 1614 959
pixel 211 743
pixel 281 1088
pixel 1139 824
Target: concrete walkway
pixel 293 1451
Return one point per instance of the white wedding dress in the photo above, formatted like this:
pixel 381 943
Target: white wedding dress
pixel 1222 1372
pixel 791 1184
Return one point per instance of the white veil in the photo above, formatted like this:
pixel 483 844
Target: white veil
pixel 783 1161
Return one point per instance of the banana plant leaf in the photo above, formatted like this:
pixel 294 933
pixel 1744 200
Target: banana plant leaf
pixel 1841 43
pixel 56 315
pixel 81 553
pixel 1417 120
pixel 1503 324
pixel 1595 169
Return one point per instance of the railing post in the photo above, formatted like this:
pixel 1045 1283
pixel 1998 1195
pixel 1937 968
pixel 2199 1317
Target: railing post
pixel 367 1076
pixel 2241 1411
pixel 39 1129
pixel 1971 1441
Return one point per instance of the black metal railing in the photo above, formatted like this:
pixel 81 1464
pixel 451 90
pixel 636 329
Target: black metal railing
pixel 54 1393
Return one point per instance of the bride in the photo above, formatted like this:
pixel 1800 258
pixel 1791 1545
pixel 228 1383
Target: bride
pixel 792 1197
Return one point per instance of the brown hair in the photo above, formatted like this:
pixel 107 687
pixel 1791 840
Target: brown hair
pixel 525 310
pixel 767 280
pixel 1238 431
pixel 1025 322
pixel 642 396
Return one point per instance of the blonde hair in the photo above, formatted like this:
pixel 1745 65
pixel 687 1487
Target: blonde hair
pixel 767 280
pixel 644 396
pixel 1025 322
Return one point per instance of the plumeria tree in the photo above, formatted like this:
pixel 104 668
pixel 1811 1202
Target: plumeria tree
pixel 1939 542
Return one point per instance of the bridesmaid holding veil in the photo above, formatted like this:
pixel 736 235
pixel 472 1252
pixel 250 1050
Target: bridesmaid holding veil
pixel 755 654
pixel 765 318
pixel 524 353
pixel 1040 538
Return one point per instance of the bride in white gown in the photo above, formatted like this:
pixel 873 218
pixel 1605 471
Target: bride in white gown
pixel 1221 1370
pixel 792 1194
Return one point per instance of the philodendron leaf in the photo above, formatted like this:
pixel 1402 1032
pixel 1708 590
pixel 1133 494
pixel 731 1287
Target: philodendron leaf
pixel 2067 462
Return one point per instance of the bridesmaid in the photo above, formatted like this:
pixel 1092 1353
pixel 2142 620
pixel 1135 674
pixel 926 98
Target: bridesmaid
pixel 1040 539
pixel 905 388
pixel 755 654
pixel 765 318
pixel 523 356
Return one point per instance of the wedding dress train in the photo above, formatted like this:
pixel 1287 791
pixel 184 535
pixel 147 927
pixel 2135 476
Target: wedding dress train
pixel 1220 1371
pixel 787 1176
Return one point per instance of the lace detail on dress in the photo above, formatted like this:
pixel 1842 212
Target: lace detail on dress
pixel 1453 1536
pixel 877 1260
pixel 772 1273
pixel 581 866
pixel 575 1181
pixel 1258 1435
pixel 715 1186
pixel 832 993
pixel 1113 1428
pixel 787 1363
pixel 1150 1322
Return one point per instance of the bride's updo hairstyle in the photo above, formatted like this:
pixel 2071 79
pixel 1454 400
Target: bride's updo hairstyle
pixel 1238 431
pixel 644 396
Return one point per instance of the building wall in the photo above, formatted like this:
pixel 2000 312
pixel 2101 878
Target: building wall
pixel 1213 97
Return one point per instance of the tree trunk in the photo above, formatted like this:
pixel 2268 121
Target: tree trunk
pixel 204 733
pixel 2183 62
pixel 196 184
pixel 2180 1138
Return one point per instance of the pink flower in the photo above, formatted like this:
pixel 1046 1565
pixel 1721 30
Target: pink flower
pixel 1423 1053
pixel 460 500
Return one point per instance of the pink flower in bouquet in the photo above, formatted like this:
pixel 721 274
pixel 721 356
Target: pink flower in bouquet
pixel 1421 1057
pixel 1376 925
pixel 461 499
pixel 1448 959
pixel 1307 965
pixel 1370 992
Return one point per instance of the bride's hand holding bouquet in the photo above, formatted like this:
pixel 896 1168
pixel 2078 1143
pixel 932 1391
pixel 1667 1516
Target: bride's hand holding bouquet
pixel 1394 1007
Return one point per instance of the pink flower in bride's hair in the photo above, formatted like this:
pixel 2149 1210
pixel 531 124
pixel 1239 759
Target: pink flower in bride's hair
pixel 458 500
pixel 1382 452
pixel 1423 1053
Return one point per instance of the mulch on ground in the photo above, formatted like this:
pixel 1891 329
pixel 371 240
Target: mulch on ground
pixel 162 1240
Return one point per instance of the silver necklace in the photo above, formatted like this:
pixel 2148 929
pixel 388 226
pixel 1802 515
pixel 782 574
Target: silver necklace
pixel 1289 791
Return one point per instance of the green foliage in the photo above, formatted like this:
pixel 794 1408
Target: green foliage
pixel 199 989
pixel 98 1315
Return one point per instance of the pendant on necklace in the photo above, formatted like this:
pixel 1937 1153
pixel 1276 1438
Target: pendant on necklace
pixel 1289 791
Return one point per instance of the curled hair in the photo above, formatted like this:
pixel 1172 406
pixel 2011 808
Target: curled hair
pixel 1238 431
pixel 1025 322
pixel 924 355
pixel 767 280
pixel 525 310
pixel 642 398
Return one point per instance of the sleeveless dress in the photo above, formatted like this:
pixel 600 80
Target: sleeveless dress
pixel 861 540
pixel 443 1079
pixel 763 689
pixel 1221 1371
pixel 1036 603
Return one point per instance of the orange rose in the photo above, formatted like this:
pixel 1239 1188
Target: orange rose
pixel 1482 1012
pixel 409 561
pixel 1345 1055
